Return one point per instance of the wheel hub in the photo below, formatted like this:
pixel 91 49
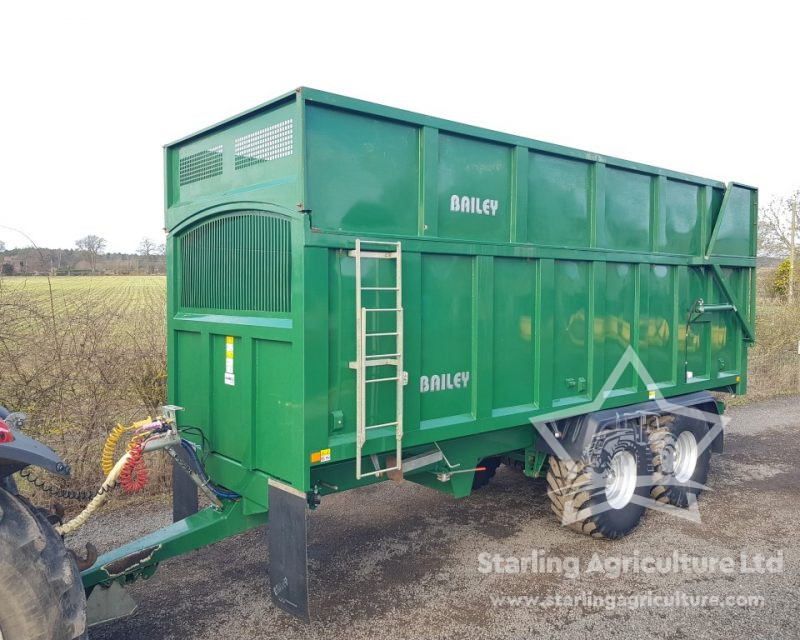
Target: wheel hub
pixel 621 479
pixel 685 457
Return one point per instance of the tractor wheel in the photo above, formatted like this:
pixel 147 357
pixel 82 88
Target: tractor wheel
pixel 43 597
pixel 597 497
pixel 481 478
pixel 680 469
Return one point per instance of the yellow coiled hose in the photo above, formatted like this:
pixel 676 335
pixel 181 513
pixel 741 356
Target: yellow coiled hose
pixel 110 446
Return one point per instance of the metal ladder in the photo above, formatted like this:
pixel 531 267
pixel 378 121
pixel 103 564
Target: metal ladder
pixel 365 360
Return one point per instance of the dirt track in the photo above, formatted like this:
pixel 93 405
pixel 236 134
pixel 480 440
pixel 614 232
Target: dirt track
pixel 401 561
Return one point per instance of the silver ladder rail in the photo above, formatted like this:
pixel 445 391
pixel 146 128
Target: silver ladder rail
pixel 364 360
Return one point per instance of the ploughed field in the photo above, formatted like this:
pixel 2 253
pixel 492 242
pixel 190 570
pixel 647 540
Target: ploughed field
pixel 128 295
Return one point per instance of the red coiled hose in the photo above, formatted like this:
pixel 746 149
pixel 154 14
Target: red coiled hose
pixel 134 474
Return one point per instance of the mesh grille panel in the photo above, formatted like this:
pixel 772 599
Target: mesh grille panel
pixel 240 262
pixel 266 144
pixel 200 165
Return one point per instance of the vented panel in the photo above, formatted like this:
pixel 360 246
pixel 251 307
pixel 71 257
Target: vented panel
pixel 200 165
pixel 266 144
pixel 240 262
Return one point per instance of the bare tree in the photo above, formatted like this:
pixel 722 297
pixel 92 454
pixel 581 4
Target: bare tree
pixel 93 246
pixel 778 232
pixel 161 249
pixel 775 226
pixel 147 247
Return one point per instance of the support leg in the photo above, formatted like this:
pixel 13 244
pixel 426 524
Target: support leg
pixel 184 490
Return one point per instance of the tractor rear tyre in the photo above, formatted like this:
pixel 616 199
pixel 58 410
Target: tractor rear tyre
pixel 43 597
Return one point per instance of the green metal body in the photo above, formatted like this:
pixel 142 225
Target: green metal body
pixel 528 266
pixel 537 299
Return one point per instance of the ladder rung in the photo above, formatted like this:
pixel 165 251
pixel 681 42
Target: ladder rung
pixel 386 310
pixel 383 243
pixel 378 335
pixel 380 380
pixel 378 426
pixel 386 362
pixel 379 288
pixel 383 355
pixel 379 472
pixel 378 255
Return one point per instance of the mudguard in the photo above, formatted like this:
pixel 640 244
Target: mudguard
pixel 288 561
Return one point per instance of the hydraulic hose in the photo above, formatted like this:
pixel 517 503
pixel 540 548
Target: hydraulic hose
pixel 220 493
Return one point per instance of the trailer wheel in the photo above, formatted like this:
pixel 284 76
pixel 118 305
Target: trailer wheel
pixel 481 478
pixel 679 467
pixel 596 497
pixel 43 597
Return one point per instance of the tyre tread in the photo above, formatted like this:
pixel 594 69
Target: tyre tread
pixel 55 599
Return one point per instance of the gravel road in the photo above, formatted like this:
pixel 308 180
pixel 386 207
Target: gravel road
pixel 402 561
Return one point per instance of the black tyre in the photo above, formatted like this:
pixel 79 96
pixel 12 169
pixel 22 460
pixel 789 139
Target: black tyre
pixel 481 478
pixel 596 496
pixel 43 598
pixel 680 468
pixel 517 466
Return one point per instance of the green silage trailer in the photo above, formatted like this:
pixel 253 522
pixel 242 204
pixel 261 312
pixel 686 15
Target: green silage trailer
pixel 358 293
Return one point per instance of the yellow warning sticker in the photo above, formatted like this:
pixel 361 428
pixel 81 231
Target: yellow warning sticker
pixel 321 456
pixel 230 378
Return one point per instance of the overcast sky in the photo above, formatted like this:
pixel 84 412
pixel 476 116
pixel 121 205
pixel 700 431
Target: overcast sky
pixel 92 90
